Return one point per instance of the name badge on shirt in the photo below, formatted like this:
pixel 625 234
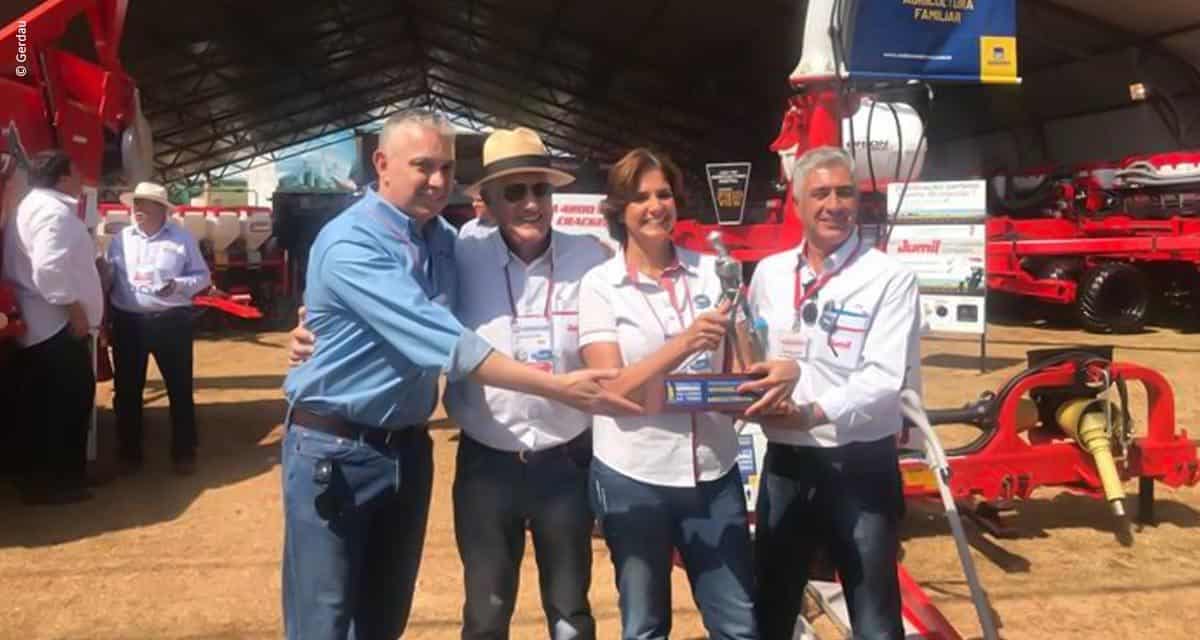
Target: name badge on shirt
pixel 144 274
pixel 533 342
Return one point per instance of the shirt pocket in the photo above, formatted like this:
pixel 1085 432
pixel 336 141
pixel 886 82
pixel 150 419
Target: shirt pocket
pixel 169 262
pixel 841 342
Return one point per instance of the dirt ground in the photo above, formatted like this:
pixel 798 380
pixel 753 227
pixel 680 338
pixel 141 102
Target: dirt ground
pixel 158 556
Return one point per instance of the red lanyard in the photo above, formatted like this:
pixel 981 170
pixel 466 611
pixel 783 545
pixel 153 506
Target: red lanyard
pixel 802 294
pixel 512 301
pixel 680 310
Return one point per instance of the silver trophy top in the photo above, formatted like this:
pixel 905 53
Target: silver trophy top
pixel 714 238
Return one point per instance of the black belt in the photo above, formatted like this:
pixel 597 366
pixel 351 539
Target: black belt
pixel 180 312
pixel 375 436
pixel 578 449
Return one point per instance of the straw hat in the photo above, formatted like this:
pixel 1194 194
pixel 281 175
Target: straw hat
pixel 520 150
pixel 147 191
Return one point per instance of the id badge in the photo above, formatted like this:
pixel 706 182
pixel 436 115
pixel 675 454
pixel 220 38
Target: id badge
pixel 143 274
pixel 533 342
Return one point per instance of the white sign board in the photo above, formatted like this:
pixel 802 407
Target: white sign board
pixel 939 234
pixel 956 200
pixel 579 213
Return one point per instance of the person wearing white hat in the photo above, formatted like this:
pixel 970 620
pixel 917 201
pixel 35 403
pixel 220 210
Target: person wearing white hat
pixel 156 268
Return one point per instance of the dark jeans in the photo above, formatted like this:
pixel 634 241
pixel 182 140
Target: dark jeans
pixel 642 524
pixel 56 401
pixel 495 497
pixel 168 337
pixel 846 499
pixel 354 528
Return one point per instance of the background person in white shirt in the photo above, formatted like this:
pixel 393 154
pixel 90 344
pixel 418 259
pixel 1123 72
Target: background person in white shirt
pixel 156 269
pixel 50 259
pixel 670 480
pixel 849 315
pixel 522 460
pixel 482 224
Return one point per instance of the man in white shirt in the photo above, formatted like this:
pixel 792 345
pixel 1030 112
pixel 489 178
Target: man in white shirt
pixel 50 260
pixel 522 460
pixel 849 315
pixel 156 269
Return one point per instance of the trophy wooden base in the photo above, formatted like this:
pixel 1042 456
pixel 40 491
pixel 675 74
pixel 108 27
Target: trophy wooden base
pixel 695 393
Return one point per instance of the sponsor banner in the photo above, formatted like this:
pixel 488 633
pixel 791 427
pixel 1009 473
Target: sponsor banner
pixel 579 213
pixel 727 184
pixel 752 447
pixel 939 234
pixel 946 258
pixel 946 40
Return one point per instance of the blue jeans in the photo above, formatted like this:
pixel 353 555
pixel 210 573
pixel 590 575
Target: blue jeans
pixel 642 524
pixel 496 496
pixel 845 499
pixel 354 527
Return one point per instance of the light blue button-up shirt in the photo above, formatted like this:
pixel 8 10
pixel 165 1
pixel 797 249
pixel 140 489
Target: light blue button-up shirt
pixel 144 264
pixel 379 295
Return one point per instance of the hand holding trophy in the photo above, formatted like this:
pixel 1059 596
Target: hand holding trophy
pixel 755 386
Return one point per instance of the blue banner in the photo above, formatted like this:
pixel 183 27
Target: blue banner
pixel 947 40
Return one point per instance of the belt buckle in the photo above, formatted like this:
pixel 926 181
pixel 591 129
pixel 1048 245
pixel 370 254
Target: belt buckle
pixel 523 456
pixel 387 439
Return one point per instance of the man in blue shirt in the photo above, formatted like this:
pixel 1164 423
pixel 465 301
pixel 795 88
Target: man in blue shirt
pixel 156 267
pixel 357 459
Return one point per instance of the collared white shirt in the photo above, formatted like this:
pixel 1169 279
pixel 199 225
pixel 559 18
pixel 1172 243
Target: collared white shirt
pixel 499 418
pixel 675 450
pixel 861 350
pixel 50 259
pixel 144 264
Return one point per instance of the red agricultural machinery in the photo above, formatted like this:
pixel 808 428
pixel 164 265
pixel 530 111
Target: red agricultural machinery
pixel 1111 242
pixel 51 98
pixel 1096 237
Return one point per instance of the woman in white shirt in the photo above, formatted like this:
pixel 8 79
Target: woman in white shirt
pixel 666 481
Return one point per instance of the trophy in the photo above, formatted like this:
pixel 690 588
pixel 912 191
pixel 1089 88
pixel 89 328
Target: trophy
pixel 689 393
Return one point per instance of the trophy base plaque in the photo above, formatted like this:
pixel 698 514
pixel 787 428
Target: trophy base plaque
pixel 694 393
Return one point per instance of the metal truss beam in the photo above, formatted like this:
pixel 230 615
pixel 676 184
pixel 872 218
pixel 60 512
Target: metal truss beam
pixel 303 113
pixel 352 80
pixel 211 162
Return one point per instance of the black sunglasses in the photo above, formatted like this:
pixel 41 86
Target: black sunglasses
pixel 515 192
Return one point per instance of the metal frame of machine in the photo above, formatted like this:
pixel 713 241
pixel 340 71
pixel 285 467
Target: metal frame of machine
pixel 51 98
pixel 1003 465
pixel 1072 232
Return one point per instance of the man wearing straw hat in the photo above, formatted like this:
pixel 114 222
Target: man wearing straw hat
pixel 522 460
pixel 156 268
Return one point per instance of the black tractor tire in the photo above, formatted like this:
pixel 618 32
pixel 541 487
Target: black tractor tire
pixel 1113 297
